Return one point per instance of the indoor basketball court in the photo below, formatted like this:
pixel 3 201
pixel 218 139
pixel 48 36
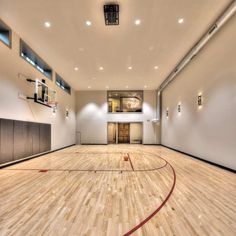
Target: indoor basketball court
pixel 117 118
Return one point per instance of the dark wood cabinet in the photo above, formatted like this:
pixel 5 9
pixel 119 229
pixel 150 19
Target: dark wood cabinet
pixel 20 139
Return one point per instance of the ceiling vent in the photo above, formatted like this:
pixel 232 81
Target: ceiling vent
pixel 111 14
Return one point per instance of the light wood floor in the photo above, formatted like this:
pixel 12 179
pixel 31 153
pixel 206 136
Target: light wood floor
pixel 91 190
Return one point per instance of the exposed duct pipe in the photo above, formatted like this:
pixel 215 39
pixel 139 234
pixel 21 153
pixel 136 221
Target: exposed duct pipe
pixel 227 14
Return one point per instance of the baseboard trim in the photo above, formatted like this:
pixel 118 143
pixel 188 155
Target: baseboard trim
pixel 93 143
pixel 32 157
pixel 149 144
pixel 201 159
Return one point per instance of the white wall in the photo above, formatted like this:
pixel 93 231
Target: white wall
pixel 209 132
pixel 11 107
pixel 92 117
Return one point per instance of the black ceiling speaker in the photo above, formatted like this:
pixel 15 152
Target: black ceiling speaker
pixel 111 14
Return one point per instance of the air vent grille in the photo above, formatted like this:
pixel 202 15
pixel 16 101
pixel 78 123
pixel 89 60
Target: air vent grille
pixel 111 14
pixel 213 28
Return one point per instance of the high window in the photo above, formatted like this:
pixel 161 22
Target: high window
pixel 32 58
pixel 5 34
pixel 63 84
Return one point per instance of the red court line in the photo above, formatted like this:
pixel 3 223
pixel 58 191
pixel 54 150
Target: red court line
pixel 84 170
pixel 130 161
pixel 142 223
pixel 153 213
pixel 43 170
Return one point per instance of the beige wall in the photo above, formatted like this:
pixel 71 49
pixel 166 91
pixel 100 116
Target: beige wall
pixel 11 107
pixel 209 132
pixel 136 132
pixel 92 117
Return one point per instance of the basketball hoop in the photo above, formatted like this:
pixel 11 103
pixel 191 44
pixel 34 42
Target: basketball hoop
pixel 43 94
pixel 52 104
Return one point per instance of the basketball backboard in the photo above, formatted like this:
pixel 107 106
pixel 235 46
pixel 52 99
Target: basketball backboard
pixel 43 94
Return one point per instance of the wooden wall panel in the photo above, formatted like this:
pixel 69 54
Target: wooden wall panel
pixel 34 134
pixel 21 140
pixel 6 140
pixel 45 137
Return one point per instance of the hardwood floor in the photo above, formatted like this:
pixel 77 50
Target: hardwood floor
pixel 92 190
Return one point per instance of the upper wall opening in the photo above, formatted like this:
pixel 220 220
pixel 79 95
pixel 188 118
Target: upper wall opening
pixel 32 58
pixel 5 34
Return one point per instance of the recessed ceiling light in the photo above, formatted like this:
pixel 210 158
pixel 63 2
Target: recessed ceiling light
pixel 130 67
pixel 181 20
pixel 89 87
pixel 88 23
pixel 47 24
pixel 137 22
pixel 151 48
pixel 145 86
pixel 76 68
pixel 101 68
pixel 156 67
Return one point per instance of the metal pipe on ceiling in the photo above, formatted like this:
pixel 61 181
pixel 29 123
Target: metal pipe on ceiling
pixel 224 17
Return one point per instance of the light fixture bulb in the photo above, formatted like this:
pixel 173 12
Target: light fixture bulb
pixel 137 22
pixel 88 23
pixel 47 24
pixel 181 20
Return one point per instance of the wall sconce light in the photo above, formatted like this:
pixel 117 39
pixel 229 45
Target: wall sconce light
pixel 167 113
pixel 54 109
pixel 199 100
pixel 179 107
pixel 67 113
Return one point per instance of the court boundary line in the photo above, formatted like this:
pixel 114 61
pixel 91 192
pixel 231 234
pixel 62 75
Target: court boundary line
pixel 86 170
pixel 150 216
pixel 130 162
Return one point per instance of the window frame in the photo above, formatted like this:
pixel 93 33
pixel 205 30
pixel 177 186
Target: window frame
pixel 48 75
pixel 65 90
pixel 10 34
pixel 128 112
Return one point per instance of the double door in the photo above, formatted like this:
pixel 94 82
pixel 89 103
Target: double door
pixel 123 132
pixel 118 133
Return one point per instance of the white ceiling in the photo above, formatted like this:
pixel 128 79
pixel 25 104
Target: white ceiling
pixel 158 41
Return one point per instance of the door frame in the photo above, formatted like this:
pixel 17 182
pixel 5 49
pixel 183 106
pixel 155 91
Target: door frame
pixel 121 122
